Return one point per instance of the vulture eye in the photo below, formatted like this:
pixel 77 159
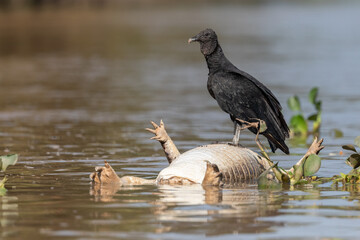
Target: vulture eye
pixel 207 34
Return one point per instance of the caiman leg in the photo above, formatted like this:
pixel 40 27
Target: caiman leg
pixel 107 175
pixel 213 176
pixel 168 145
pixel 315 148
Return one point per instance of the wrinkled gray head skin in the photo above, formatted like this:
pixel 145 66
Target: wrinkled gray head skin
pixel 207 39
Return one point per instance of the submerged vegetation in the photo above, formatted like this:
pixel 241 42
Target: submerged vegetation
pixel 6 161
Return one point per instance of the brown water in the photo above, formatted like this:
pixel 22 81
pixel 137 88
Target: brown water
pixel 78 86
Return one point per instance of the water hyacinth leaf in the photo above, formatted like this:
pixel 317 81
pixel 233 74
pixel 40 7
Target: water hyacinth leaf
pixel 294 103
pixel 2 187
pixel 313 95
pixel 354 160
pixel 318 105
pixel 285 177
pixel 313 117
pixel 312 165
pixel 317 123
pixel 357 141
pixel 337 133
pixel 349 147
pixel 298 124
pixel 2 191
pixel 7 160
pixel 263 126
pixel 353 172
pixel 279 173
pixel 298 174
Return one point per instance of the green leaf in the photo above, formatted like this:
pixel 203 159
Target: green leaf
pixel 354 160
pixel 337 133
pixel 313 95
pixel 313 117
pixel 317 123
pixel 357 141
pixel 299 125
pixel 285 177
pixel 318 105
pixel 349 147
pixel 2 187
pixel 7 160
pixel 353 172
pixel 277 171
pixel 294 103
pixel 298 174
pixel 263 126
pixel 312 165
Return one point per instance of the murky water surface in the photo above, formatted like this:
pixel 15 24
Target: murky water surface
pixel 78 87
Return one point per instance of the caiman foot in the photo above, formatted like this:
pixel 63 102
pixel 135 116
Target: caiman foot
pixel 159 131
pixel 213 176
pixel 104 175
pixel 107 176
pixel 315 147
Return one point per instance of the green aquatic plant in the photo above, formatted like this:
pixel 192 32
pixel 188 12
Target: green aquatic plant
pixel 301 172
pixel 6 161
pixel 354 159
pixel 352 177
pixel 299 124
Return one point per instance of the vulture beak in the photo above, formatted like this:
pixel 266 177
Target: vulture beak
pixel 193 39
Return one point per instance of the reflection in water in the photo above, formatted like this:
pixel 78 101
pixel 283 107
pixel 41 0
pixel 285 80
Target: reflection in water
pixel 182 208
pixel 228 210
pixel 104 193
pixel 243 209
pixel 9 213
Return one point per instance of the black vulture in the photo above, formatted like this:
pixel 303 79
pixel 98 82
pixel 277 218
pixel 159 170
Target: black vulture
pixel 241 95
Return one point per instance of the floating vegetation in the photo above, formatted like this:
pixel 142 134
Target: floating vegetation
pixel 299 124
pixel 301 172
pixel 353 161
pixel 6 161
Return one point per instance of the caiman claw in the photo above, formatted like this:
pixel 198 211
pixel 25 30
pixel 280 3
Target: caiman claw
pixel 159 131
pixel 315 147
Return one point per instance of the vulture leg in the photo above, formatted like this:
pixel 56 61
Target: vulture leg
pixel 237 129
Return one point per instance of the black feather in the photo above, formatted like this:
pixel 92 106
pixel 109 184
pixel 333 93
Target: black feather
pixel 240 94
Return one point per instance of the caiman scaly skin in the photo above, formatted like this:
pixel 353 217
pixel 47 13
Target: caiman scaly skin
pixel 237 164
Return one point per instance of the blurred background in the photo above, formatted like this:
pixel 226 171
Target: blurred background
pixel 80 80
